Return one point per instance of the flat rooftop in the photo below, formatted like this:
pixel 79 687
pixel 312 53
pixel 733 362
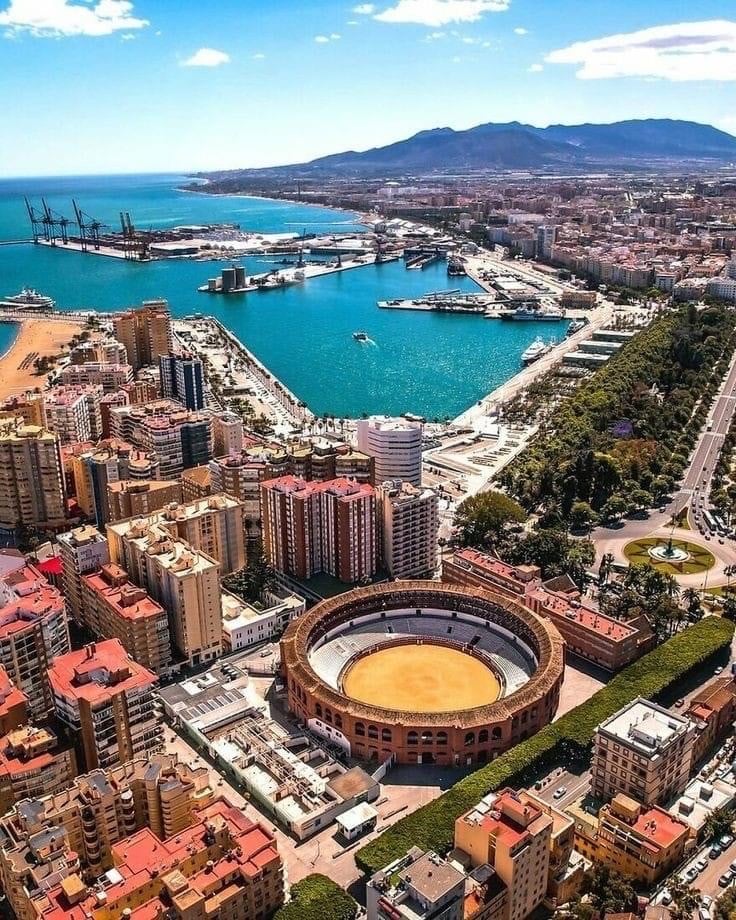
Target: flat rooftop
pixel 645 727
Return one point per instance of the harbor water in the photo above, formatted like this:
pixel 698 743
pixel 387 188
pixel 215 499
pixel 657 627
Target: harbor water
pixel 431 364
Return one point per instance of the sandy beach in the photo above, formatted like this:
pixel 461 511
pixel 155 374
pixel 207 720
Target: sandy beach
pixel 36 338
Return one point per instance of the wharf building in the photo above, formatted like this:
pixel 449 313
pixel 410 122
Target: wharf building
pixel 133 498
pixel 643 751
pixel 396 446
pixel 73 412
pixel 109 462
pixel 47 840
pixel 589 634
pixel 33 633
pixel 105 699
pixel 643 843
pixel 223 865
pixel 145 332
pixel 114 608
pixel 179 438
pixel 32 487
pixel 182 378
pixel 82 550
pixel 315 527
pixel 408 520
pixel 111 377
pixel 184 581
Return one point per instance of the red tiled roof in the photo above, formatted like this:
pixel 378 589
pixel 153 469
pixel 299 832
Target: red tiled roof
pixel 98 672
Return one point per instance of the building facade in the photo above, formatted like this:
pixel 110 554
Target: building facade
pixel 408 519
pixel 145 332
pixel 396 447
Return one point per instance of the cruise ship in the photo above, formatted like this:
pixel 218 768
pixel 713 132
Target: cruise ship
pixel 535 351
pixel 28 299
pixel 530 313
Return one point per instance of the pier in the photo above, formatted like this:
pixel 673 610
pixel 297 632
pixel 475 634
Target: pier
pixel 453 301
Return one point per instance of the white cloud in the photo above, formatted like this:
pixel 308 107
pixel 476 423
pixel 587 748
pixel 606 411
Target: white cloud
pixel 335 36
pixel 207 57
pixel 259 56
pixel 352 22
pixel 434 36
pixel 536 68
pixel 435 13
pixel 678 52
pixel 520 30
pixel 55 18
pixel 321 39
pixel 364 9
pixel 127 36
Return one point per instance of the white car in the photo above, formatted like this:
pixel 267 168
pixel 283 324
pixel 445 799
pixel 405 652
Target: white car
pixel 559 792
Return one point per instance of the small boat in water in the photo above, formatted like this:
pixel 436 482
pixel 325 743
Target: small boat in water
pixel 533 313
pixel 535 351
pixel 360 336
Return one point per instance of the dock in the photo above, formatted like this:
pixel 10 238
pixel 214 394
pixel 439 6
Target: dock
pixel 453 301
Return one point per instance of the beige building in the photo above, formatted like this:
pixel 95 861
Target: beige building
pixel 643 751
pixel 131 498
pixel 31 477
pixel 408 521
pixel 227 434
pixel 74 413
pixel 512 834
pixel 185 582
pixel 82 550
pixel 145 332
pixel 111 461
pixel 33 763
pixel 80 826
pixel 114 608
pixel 106 700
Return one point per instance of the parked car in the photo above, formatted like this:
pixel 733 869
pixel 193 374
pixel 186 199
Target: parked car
pixel 702 864
pixel 727 839
pixel 691 874
pixel 559 792
pixel 666 897
pixel 725 880
pixel 706 901
pixel 715 851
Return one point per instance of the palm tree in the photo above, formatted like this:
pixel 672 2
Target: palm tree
pixel 604 570
pixel 691 596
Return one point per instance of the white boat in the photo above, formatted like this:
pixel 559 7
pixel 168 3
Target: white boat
pixel 533 314
pixel 535 351
pixel 576 325
pixel 360 336
pixel 28 299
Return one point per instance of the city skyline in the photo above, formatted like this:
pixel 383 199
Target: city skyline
pixel 153 86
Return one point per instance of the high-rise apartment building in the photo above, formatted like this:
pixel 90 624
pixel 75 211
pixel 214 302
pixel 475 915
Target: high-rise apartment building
pixel 396 446
pixel 212 525
pixel 106 701
pixel 106 350
pixel 13 704
pixel 82 550
pixel 145 332
pixel 179 438
pixel 31 477
pixel 33 762
pixel 33 632
pixel 313 527
pixel 185 582
pixel 96 469
pixel 81 825
pixel 513 835
pixel 130 498
pixel 182 378
pixel 408 521
pixel 227 434
pixel 74 413
pixel 643 751
pixel 196 483
pixel 114 608
pixel 27 406
pixel 224 865
pixel 111 377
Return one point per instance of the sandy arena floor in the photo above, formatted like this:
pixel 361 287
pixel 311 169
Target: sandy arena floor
pixel 421 678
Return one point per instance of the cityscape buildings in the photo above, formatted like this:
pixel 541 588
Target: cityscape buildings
pixel 145 333
pixel 182 378
pixel 396 447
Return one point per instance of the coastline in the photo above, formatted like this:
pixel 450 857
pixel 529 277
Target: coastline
pixel 35 339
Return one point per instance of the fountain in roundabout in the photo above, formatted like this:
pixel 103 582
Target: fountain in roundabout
pixel 668 552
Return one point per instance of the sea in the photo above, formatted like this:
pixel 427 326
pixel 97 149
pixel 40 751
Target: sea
pixel 431 364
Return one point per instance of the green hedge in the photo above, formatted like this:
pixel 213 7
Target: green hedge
pixel 432 826
pixel 317 897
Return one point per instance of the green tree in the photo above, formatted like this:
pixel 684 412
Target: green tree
pixel 317 897
pixel 250 583
pixel 581 516
pixel 481 518
pixel 609 892
pixel 691 597
pixel 614 509
pixel 685 900
pixel 718 823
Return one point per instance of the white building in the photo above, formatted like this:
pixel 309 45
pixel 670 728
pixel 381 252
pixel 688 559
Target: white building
pixel 408 521
pixel 245 625
pixel 723 288
pixel 396 446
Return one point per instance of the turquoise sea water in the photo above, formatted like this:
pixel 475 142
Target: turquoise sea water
pixel 427 363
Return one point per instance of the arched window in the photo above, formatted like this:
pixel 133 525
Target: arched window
pixel 496 734
pixel 372 731
pixel 469 738
pixel 412 738
pixel 386 734
pixel 483 736
pixel 318 710
pixel 427 737
pixel 328 715
pixel 441 737
pixel 359 728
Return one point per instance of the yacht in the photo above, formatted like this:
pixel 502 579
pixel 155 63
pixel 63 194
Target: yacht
pixel 28 299
pixel 360 336
pixel 533 313
pixel 576 325
pixel 535 351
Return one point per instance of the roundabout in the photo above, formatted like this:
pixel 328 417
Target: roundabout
pixel 670 556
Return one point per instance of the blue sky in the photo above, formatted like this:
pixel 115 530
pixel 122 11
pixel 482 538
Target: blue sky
pixel 95 86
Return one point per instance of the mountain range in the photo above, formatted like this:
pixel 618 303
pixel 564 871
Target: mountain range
pixel 514 146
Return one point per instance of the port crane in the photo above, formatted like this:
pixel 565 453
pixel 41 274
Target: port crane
pixel 51 221
pixel 135 243
pixel 38 223
pixel 89 228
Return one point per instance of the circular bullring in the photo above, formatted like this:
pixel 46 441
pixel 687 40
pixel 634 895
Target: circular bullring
pixel 426 672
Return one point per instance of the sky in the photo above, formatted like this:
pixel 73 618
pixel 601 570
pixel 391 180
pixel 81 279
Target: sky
pixel 124 86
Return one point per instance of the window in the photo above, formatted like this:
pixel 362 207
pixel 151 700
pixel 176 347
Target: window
pixel 441 737
pixel 483 736
pixel 469 738
pixel 412 738
pixel 386 734
pixel 427 737
pixel 318 710
pixel 359 728
pixel 372 731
